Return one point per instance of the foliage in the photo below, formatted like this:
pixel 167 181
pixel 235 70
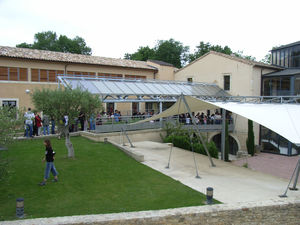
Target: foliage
pixel 267 59
pixel 61 102
pixel 142 54
pixel 226 142
pixel 250 139
pixel 181 138
pixel 50 41
pixel 102 177
pixel 204 48
pixel 10 121
pixel 170 51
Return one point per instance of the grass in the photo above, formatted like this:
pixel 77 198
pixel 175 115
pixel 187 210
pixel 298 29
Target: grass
pixel 102 179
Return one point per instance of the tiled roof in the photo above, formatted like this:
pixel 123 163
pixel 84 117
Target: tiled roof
pixel 162 63
pixel 33 54
pixel 246 61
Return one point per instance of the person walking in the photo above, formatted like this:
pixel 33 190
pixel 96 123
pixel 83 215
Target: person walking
pixel 49 158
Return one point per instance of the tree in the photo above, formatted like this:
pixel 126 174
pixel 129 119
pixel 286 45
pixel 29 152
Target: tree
pixel 11 120
pixel 66 102
pixel 204 48
pixel 267 59
pixel 250 139
pixel 170 51
pixel 142 54
pixel 49 41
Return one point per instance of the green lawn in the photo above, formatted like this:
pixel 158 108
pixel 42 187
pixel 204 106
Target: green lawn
pixel 102 179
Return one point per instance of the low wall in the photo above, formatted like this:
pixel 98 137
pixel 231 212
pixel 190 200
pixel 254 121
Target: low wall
pixel 134 136
pixel 273 212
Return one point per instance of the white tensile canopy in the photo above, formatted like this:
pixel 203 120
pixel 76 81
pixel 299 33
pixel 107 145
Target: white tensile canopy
pixel 282 118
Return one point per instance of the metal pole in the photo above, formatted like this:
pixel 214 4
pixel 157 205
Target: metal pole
pixel 198 131
pixel 294 188
pixel 171 145
pixel 191 141
pixel 223 134
pixel 284 194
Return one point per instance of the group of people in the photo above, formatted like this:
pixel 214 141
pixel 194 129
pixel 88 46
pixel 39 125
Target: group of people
pixel 201 118
pixel 35 124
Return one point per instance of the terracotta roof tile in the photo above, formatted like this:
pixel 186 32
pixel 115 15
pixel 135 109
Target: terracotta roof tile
pixel 34 54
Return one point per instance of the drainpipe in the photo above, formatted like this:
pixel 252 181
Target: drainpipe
pixel 65 72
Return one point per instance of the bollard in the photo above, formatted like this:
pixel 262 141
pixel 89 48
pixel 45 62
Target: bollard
pixel 209 195
pixel 20 208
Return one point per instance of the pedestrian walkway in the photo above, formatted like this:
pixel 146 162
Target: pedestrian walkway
pixel 231 183
pixel 277 165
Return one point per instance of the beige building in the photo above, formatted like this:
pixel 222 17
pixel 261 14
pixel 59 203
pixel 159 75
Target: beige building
pixel 23 70
pixel 240 77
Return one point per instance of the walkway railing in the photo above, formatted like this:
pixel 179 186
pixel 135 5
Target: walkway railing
pixel 106 125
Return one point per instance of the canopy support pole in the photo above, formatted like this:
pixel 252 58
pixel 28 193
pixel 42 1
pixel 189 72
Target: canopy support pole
pixel 223 134
pixel 191 141
pixel 198 131
pixel 124 133
pixel 172 145
pixel 294 188
pixel 296 170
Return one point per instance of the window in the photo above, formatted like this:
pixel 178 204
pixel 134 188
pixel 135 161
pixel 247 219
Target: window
pixel 135 77
pixel 10 103
pixel 40 75
pixel 190 80
pixel 109 75
pixel 226 82
pixel 13 73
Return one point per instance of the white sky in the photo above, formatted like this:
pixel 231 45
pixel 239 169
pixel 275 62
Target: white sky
pixel 114 27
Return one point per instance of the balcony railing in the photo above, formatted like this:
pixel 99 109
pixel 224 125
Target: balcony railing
pixel 107 125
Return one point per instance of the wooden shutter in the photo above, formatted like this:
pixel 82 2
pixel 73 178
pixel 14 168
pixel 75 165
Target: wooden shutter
pixel 43 76
pixel 34 75
pixel 13 73
pixel 23 74
pixel 3 73
pixel 52 75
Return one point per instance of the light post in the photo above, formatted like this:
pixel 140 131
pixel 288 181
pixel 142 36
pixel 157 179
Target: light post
pixel 209 195
pixel 20 208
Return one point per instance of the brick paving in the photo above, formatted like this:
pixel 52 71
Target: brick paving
pixel 277 165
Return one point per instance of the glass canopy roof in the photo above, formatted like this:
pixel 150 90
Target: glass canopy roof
pixel 130 90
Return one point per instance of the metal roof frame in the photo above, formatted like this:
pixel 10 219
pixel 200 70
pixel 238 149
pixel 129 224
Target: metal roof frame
pixel 140 90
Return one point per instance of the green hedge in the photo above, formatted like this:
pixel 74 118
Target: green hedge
pixel 184 142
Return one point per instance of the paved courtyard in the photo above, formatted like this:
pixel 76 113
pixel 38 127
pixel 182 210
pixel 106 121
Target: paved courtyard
pixel 277 165
pixel 231 183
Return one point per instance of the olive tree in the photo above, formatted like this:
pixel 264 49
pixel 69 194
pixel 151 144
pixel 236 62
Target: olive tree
pixel 11 120
pixel 66 102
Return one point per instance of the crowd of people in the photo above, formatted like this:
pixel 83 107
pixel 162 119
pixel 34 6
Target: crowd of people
pixel 201 118
pixel 35 125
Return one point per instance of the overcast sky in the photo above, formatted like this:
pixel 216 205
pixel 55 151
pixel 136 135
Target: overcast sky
pixel 114 27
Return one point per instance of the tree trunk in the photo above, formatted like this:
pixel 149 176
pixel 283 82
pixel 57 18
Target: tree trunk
pixel 69 145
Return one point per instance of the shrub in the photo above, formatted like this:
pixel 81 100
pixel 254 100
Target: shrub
pixel 184 142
